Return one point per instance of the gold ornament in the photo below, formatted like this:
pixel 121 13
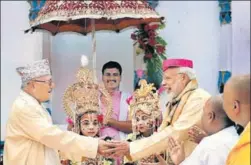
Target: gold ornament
pixel 83 96
pixel 146 100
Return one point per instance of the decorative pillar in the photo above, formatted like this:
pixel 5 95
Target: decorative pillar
pixel 225 58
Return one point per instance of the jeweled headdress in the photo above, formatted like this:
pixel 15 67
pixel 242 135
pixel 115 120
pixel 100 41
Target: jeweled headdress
pixel 83 96
pixel 145 99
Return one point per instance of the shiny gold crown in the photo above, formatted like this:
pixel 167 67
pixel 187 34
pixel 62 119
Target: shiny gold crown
pixel 146 100
pixel 85 76
pixel 83 96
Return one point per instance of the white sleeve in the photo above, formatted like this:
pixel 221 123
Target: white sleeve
pixel 205 156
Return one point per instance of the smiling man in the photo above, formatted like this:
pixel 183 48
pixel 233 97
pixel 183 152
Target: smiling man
pixel 118 126
pixel 31 137
pixel 182 112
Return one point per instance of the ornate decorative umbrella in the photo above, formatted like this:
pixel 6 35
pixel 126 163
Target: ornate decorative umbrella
pixel 93 15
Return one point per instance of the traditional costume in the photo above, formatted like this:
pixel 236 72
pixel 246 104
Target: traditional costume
pixel 182 112
pixel 83 97
pixel 146 100
pixel 120 113
pixel 31 137
pixel 240 154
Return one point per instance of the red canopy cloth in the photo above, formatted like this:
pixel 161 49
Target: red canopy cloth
pixel 76 16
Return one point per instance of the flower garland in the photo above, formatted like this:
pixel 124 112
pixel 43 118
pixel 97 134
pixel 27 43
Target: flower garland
pixel 153 46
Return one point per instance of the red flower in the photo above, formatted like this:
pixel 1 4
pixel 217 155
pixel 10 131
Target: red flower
pixel 151 34
pixel 69 121
pixel 146 28
pixel 151 42
pixel 142 43
pixel 100 118
pixel 128 100
pixel 133 36
pixel 160 49
pixel 154 27
pixel 149 55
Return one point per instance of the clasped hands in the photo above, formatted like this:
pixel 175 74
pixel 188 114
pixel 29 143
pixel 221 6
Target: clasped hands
pixel 113 149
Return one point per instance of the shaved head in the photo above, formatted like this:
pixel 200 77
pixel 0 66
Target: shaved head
pixel 236 98
pixel 241 88
pixel 217 108
pixel 214 117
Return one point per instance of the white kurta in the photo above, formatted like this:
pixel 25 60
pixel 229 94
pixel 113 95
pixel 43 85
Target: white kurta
pixel 32 139
pixel 214 149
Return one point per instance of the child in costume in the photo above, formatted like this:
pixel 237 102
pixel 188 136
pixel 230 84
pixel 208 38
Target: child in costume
pixel 81 104
pixel 146 115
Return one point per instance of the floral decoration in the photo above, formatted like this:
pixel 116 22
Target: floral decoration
pixel 129 99
pixel 69 121
pixel 100 118
pixel 152 46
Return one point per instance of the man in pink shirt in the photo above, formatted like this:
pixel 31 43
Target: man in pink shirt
pixel 119 125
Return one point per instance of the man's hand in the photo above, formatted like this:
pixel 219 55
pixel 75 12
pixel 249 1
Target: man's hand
pixel 176 151
pixel 161 160
pixel 105 148
pixel 118 149
pixel 196 134
pixel 65 162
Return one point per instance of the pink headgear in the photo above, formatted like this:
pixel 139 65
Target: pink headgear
pixel 177 63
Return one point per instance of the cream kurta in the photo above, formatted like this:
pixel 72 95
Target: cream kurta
pixel 190 115
pixel 30 134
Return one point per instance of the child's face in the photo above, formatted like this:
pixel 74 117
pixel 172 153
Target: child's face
pixel 143 122
pixel 89 124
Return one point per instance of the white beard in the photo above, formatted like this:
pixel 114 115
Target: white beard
pixel 170 96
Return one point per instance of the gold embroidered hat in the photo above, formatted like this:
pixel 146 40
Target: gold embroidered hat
pixel 83 96
pixel 34 70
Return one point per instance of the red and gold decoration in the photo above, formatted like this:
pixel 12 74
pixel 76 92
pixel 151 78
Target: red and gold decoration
pixel 93 15
pixel 76 16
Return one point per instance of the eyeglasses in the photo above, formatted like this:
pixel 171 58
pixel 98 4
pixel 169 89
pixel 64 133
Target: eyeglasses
pixel 49 82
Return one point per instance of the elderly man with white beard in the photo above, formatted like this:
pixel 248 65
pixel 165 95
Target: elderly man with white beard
pixel 182 112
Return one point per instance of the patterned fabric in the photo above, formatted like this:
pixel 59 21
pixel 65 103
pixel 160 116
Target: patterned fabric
pixel 35 8
pixel 76 16
pixel 34 70
pixel 225 13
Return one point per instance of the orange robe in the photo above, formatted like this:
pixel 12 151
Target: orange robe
pixel 240 154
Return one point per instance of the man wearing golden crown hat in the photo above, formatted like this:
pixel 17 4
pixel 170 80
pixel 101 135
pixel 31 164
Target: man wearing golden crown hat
pixel 31 137
pixel 182 112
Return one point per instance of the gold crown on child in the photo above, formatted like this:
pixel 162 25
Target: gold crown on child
pixel 83 96
pixel 145 99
